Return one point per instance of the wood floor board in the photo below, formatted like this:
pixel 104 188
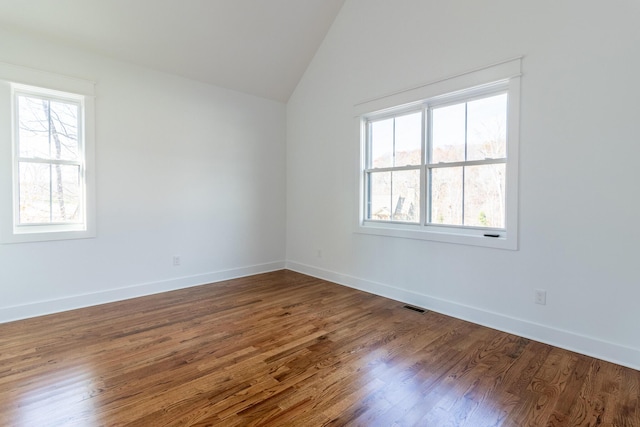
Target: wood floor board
pixel 285 349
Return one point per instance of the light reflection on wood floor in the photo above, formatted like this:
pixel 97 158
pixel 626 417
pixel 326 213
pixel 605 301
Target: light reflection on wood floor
pixel 284 349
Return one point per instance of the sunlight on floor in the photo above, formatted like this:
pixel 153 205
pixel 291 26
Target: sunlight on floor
pixel 63 398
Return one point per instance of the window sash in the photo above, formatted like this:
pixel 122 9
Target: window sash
pixel 369 199
pixel 19 224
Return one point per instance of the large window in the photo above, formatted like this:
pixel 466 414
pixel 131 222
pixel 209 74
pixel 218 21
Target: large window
pixel 445 167
pixel 46 152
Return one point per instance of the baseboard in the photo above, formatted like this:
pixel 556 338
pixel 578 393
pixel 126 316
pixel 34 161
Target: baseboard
pixel 39 308
pixel 611 352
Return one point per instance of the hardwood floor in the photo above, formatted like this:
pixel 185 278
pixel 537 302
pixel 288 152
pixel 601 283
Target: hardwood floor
pixel 283 349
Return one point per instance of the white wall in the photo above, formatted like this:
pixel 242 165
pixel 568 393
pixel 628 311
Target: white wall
pixel 579 147
pixel 182 168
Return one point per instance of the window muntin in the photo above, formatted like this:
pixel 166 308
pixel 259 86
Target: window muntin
pixel 49 184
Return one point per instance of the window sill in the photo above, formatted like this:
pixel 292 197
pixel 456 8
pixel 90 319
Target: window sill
pixel 440 234
pixel 46 236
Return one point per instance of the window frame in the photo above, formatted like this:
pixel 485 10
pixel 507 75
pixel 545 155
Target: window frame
pixel 499 78
pixel 18 81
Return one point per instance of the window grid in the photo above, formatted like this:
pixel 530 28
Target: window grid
pixel 369 171
pixel 430 166
pixel 49 160
pixel 427 166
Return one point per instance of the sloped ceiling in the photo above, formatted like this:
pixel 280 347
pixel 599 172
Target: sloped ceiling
pixel 261 47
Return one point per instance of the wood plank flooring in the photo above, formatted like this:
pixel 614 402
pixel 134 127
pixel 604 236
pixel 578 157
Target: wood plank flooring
pixel 285 349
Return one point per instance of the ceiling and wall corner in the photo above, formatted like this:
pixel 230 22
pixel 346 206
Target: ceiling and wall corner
pixel 257 47
pixel 183 168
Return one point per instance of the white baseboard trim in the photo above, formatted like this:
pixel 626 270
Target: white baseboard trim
pixel 604 350
pixel 39 308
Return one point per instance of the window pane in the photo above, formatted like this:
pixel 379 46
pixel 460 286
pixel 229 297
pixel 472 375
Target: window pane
pixel 408 142
pixel 35 184
pixel 484 195
pixel 33 132
pixel 405 195
pixel 66 193
pixel 487 128
pixel 382 144
pixel 64 130
pixel 446 195
pixel 379 196
pixel 448 138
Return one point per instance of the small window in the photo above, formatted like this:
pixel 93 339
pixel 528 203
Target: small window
pixel 444 168
pixel 46 184
pixel 49 147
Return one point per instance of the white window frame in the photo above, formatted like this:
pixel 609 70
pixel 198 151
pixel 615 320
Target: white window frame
pixel 503 77
pixel 15 81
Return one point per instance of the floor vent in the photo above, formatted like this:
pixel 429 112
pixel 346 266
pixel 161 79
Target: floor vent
pixel 416 309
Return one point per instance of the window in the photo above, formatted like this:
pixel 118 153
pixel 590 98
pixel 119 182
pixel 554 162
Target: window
pixel 49 160
pixel 444 167
pixel 47 186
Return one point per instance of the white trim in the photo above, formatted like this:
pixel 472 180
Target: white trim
pixel 40 78
pixel 40 308
pixel 503 70
pixel 438 233
pixel 568 340
pixel 16 79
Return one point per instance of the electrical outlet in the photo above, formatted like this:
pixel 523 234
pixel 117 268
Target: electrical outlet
pixel 541 297
pixel 176 260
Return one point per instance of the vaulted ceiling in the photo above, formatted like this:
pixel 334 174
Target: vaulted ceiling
pixel 261 47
